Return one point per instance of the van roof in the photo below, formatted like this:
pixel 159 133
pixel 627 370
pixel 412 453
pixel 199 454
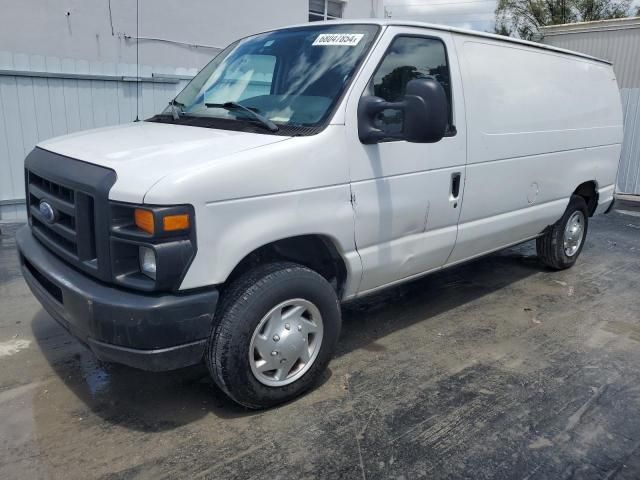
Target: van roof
pixel 432 26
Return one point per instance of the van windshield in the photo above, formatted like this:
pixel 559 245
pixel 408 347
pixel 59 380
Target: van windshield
pixel 291 78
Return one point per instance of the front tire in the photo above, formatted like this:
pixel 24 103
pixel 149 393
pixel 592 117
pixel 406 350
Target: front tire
pixel 276 330
pixel 560 246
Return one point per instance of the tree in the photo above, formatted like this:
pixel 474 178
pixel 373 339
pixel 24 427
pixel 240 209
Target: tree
pixel 392 86
pixel 592 10
pixel 524 18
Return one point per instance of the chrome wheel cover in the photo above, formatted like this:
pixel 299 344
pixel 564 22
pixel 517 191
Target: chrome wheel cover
pixel 573 233
pixel 286 342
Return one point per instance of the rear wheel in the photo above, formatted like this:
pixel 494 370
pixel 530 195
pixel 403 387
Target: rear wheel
pixel 561 245
pixel 276 330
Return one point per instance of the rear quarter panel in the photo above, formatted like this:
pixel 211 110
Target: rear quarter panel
pixel 540 123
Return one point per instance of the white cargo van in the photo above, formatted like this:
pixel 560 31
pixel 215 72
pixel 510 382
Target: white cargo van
pixel 304 167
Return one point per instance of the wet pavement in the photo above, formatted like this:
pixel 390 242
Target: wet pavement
pixel 496 369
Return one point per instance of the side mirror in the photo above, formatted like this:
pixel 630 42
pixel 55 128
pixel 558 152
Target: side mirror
pixel 424 108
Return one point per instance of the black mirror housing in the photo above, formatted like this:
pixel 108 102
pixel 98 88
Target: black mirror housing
pixel 426 114
pixel 425 110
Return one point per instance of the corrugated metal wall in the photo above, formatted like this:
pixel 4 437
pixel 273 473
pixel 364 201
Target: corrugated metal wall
pixel 629 169
pixel 45 97
pixel 619 42
pixel 621 47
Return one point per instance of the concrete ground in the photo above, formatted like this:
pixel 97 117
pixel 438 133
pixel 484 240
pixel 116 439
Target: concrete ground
pixel 496 369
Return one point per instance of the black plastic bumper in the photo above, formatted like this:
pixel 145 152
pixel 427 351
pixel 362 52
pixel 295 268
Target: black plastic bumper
pixel 151 332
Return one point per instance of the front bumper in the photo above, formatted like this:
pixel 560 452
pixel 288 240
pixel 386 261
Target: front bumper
pixel 151 332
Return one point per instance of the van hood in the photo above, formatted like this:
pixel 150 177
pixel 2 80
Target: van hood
pixel 143 153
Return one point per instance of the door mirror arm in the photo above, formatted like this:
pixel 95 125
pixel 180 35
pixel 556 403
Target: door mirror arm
pixel 368 108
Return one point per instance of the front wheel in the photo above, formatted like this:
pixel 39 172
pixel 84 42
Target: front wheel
pixel 277 329
pixel 561 245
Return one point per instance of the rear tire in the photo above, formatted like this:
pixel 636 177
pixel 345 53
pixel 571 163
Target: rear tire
pixel 264 320
pixel 560 246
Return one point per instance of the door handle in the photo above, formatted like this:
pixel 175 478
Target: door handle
pixel 455 188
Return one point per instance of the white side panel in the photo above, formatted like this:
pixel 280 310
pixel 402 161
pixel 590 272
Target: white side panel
pixel 540 124
pixel 492 233
pixel 523 101
pixel 522 182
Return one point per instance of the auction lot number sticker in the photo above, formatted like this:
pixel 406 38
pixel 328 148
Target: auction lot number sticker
pixel 334 39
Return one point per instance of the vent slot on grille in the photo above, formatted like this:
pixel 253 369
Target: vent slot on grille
pixel 54 239
pixel 53 189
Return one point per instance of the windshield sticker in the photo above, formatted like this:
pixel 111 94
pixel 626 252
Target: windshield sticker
pixel 335 39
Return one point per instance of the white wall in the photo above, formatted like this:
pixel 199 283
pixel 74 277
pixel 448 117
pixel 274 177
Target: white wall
pixel 363 9
pixel 82 29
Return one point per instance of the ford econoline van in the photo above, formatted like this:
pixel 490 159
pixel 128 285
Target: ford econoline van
pixel 304 167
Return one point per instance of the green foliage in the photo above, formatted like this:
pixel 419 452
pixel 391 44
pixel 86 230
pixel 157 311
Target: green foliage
pixel 523 18
pixel 591 10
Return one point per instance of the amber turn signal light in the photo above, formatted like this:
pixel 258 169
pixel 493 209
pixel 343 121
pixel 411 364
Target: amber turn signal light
pixel 171 223
pixel 144 220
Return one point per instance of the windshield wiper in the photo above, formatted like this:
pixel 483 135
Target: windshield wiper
pixel 176 108
pixel 231 106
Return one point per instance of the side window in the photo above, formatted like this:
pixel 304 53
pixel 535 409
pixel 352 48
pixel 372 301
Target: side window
pixel 406 59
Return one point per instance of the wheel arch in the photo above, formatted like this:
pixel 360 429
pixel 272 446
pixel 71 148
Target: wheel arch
pixel 315 251
pixel 589 191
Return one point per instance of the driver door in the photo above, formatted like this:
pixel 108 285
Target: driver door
pixel 406 196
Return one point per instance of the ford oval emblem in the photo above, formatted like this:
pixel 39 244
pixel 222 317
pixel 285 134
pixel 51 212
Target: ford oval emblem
pixel 47 211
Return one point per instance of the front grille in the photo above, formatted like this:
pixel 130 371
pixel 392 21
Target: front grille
pixel 71 231
pixel 77 193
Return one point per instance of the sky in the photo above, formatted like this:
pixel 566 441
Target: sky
pixel 471 14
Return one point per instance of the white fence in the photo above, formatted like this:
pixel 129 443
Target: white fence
pixel 42 97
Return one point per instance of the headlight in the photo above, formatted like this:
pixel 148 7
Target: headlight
pixel 147 261
pixel 151 246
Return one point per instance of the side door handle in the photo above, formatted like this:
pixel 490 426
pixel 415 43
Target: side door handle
pixel 455 188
